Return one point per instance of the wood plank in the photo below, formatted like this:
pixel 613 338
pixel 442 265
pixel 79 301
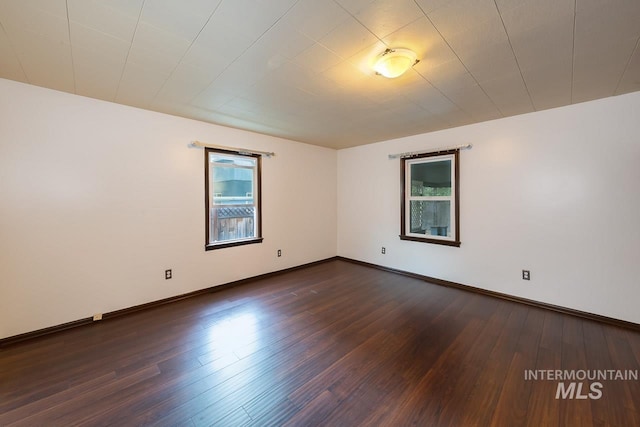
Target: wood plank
pixel 543 409
pixel 514 398
pixel 574 411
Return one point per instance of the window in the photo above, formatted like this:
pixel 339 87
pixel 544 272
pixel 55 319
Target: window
pixel 232 186
pixel 430 208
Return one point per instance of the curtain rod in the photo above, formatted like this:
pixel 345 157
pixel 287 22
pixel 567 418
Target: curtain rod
pixel 196 144
pixel 434 150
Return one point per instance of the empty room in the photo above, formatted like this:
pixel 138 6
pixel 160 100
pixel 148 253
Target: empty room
pixel 319 213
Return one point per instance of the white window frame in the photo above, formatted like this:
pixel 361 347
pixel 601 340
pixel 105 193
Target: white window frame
pixel 407 198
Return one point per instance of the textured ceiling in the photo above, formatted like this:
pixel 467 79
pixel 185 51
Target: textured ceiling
pixel 301 69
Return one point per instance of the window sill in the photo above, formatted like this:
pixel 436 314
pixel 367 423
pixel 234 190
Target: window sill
pixel 455 243
pixel 229 244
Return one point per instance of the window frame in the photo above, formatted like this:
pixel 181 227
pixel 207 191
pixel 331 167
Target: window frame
pixel 257 188
pixel 405 189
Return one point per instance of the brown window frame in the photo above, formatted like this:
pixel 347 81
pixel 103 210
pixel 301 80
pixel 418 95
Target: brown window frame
pixel 455 241
pixel 258 203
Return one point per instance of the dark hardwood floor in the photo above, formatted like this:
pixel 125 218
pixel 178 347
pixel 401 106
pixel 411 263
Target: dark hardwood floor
pixel 334 344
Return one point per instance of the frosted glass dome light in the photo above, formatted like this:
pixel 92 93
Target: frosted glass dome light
pixel 393 63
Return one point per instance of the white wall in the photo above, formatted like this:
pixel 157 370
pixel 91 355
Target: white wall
pixel 98 199
pixel 555 192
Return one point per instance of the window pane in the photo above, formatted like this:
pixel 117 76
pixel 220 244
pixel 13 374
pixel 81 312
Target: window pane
pixel 232 185
pixel 431 218
pixel 229 160
pixel 232 222
pixel 233 201
pixel 431 178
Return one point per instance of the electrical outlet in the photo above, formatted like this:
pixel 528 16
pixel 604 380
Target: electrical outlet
pixel 526 275
pixel 384 250
pixel 168 274
pixel 279 252
pixel 97 316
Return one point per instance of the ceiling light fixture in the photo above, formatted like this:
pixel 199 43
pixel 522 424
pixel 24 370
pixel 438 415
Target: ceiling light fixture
pixel 393 63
